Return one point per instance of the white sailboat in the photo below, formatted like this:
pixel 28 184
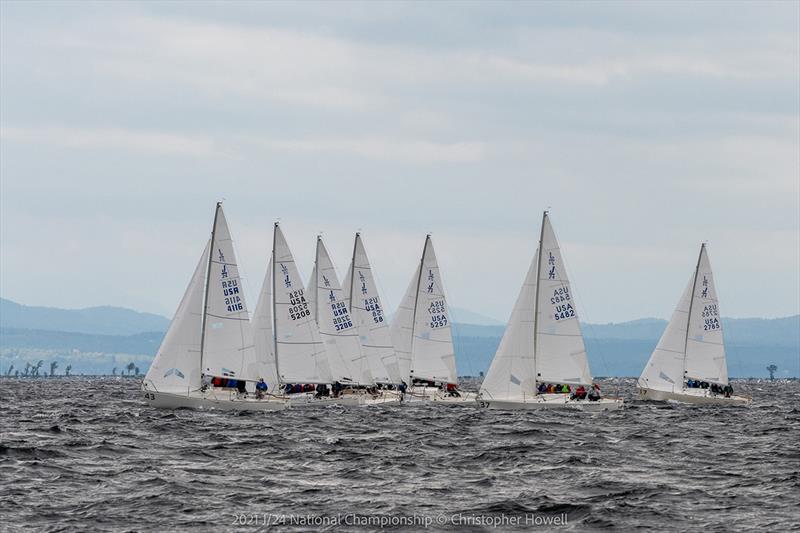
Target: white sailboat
pixel 367 310
pixel 688 364
pixel 349 363
pixel 542 343
pixel 208 347
pixel 423 339
pixel 301 355
pixel 368 314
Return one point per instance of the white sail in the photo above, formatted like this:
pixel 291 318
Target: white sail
pixel 664 370
pixel 560 352
pixel 176 367
pixel 366 308
pixel 347 361
pixel 692 346
pixel 432 353
pixel 228 342
pixel 300 352
pixel 705 348
pixel 512 374
pixel 402 328
pixel 263 338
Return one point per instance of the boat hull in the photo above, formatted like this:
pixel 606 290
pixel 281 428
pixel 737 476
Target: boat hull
pixel 436 395
pixel 691 396
pixel 551 401
pixel 211 401
pixel 308 400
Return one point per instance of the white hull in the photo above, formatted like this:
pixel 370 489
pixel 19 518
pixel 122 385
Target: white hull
pixel 692 396
pixel 303 400
pixel 552 401
pixel 435 394
pixel 228 401
pixel 385 397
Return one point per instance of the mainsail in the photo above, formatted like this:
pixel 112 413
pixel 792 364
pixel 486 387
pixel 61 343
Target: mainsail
pixel 543 340
pixel 692 345
pixel 366 309
pixel 432 353
pixel 227 347
pixel 347 361
pixel 263 335
pixel 300 353
pixel 559 349
pixel 176 367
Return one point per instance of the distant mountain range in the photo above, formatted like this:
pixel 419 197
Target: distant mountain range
pixel 105 320
pixel 96 339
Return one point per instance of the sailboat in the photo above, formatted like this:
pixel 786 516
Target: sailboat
pixel 688 364
pixel 423 338
pixel 542 343
pixel 339 331
pixel 207 359
pixel 371 322
pixel 301 355
pixel 366 306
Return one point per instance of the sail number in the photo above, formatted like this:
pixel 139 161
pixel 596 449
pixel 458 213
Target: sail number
pixel 373 305
pixel 710 316
pixel 438 312
pixel 230 289
pixel 299 305
pixel 561 294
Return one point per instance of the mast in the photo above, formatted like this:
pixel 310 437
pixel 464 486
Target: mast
pixel 416 300
pixel 536 301
pixel 274 316
pixel 208 282
pixel 689 316
pixel 353 272
pixel 316 282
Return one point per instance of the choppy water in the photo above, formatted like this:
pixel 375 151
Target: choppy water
pixel 79 454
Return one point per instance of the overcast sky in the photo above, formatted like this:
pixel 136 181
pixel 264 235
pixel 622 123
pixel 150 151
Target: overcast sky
pixel 646 127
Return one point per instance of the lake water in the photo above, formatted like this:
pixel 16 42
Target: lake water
pixel 80 454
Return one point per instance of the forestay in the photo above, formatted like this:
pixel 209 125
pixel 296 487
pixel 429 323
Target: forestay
pixel 348 363
pixel 228 342
pixel 176 367
pixel 432 353
pixel 560 352
pixel 263 338
pixel 300 352
pixel 367 311
pixel 512 374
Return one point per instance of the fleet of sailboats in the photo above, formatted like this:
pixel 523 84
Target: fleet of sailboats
pixel 333 342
